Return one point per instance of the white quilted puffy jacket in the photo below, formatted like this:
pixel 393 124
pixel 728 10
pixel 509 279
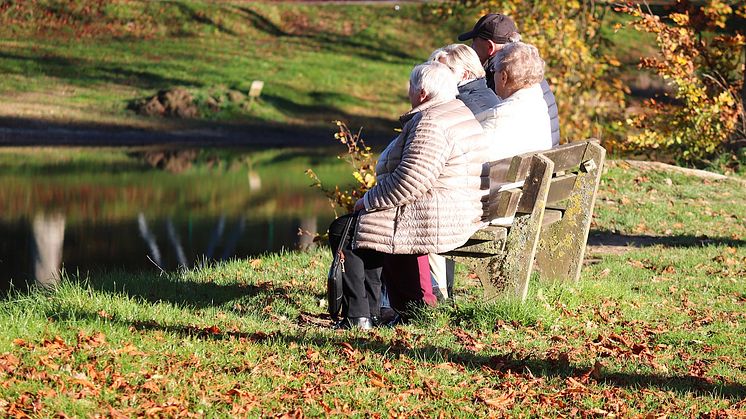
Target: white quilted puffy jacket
pixel 430 185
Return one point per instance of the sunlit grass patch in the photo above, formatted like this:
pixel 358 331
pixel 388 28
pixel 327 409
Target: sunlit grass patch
pixel 657 329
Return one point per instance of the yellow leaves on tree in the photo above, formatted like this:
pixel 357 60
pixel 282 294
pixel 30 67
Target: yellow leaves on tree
pixel 704 65
pixel 360 158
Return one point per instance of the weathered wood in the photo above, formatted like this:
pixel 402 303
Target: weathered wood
pixel 551 216
pixel 562 244
pixel 534 183
pixel 561 188
pixel 485 269
pixel 568 156
pixel 523 237
pixel 505 204
pixel 488 241
pixel 499 172
pixel 564 157
pixel 510 268
pixel 547 218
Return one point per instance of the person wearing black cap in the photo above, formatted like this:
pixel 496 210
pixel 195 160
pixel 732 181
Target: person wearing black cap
pixel 490 34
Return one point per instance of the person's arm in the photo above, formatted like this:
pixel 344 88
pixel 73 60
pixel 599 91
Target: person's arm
pixel 423 159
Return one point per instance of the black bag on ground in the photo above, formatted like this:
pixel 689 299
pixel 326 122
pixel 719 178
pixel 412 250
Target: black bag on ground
pixel 334 280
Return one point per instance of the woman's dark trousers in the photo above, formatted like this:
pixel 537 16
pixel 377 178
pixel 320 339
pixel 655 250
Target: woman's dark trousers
pixel 361 276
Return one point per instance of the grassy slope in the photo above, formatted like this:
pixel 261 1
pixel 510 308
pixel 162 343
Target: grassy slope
pixel 319 62
pixel 657 330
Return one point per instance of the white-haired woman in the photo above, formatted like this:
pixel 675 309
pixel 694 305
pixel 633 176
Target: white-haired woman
pixel 427 199
pixel 480 99
pixel 520 123
pixel 472 84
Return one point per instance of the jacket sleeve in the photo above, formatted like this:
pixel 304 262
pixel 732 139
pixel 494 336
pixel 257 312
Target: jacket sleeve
pixel 553 112
pixel 423 158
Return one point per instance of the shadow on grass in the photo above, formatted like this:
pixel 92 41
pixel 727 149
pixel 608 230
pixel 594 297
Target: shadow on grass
pixel 201 18
pixel 506 363
pixel 381 51
pixel 528 367
pixel 605 238
pixel 85 72
pixel 191 294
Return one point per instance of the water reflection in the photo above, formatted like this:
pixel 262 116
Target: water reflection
pixel 49 235
pixel 35 253
pixel 80 220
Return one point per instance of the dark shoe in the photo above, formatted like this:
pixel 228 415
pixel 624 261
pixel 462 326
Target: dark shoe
pixel 364 323
pixel 395 321
pixel 387 314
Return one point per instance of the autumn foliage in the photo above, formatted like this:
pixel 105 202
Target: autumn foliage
pixel 363 165
pixel 703 63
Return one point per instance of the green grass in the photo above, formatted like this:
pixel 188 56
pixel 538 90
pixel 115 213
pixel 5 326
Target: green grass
pixel 658 330
pixel 318 62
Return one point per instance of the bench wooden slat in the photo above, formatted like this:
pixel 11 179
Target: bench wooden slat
pixel 505 204
pixel 561 188
pixel 530 194
pixel 500 171
pixel 564 157
pixel 551 216
pixel 486 242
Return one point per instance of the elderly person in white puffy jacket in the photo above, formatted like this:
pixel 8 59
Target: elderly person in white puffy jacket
pixel 427 199
pixel 520 123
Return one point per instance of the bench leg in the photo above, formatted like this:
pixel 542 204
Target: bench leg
pixel 562 244
pixel 520 248
pixel 511 270
pixel 485 269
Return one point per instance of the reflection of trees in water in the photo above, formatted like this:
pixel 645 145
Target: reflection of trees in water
pixel 308 229
pixel 149 238
pixel 44 243
pixel 229 247
pixel 175 240
pixel 49 235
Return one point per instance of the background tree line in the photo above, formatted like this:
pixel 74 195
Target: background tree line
pixel 699 53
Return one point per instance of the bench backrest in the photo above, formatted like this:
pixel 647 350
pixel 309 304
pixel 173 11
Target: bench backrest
pixel 507 177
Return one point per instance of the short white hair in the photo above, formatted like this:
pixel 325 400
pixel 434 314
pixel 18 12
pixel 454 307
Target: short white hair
pixel 435 79
pixel 462 58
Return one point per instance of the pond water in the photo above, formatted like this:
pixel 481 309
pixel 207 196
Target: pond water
pixel 86 211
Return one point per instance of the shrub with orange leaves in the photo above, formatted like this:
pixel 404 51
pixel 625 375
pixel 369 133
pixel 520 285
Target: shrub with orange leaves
pixel 704 63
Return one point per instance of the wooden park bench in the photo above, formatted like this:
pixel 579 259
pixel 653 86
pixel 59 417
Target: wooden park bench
pixel 542 204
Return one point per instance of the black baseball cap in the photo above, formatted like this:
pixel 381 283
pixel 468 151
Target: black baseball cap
pixel 493 26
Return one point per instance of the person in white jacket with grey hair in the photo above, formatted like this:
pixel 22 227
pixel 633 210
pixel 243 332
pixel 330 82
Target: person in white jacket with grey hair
pixel 490 34
pixel 520 123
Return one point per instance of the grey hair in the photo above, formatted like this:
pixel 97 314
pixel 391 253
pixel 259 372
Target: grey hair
pixel 438 54
pixel 460 57
pixel 435 79
pixel 522 64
